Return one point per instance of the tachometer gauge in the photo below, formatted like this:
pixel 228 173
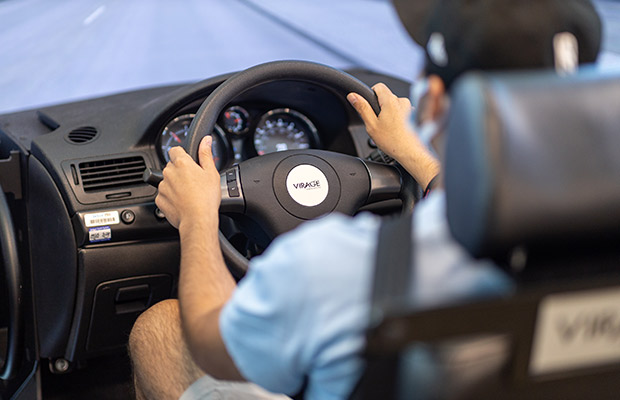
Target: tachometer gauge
pixel 176 134
pixel 235 120
pixel 284 129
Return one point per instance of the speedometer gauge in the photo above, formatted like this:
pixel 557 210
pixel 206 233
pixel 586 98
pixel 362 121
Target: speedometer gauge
pixel 284 129
pixel 176 133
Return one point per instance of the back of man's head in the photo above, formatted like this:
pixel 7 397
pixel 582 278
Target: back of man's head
pixel 463 35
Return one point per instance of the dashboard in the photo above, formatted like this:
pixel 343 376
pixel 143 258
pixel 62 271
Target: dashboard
pixel 99 251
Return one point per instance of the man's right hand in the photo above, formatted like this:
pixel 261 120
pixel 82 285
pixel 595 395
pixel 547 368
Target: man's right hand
pixel 190 192
pixel 392 133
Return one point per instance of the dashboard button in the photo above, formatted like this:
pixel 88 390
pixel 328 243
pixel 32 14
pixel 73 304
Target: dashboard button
pixel 128 216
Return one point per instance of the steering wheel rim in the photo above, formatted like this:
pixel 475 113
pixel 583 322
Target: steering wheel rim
pixel 206 117
pixel 337 80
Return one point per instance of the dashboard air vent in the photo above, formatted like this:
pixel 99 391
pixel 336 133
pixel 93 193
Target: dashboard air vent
pixel 82 135
pixel 114 173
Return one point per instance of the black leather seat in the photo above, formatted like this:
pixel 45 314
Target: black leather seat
pixel 533 182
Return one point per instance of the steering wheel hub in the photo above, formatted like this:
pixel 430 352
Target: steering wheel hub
pixel 306 186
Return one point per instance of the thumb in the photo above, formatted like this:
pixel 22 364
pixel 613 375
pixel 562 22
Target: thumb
pixel 205 156
pixel 362 107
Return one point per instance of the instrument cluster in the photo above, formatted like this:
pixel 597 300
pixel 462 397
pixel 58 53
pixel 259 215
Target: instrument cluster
pixel 245 132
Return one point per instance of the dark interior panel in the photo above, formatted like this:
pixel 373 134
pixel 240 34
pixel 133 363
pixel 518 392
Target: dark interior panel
pixel 96 251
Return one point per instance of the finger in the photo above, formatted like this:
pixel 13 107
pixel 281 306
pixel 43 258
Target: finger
pixel 362 107
pixel 405 102
pixel 167 172
pixel 160 200
pixel 165 206
pixel 384 94
pixel 205 155
pixel 381 87
pixel 405 106
pixel 175 152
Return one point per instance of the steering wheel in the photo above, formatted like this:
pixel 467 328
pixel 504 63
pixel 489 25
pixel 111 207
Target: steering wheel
pixel 283 189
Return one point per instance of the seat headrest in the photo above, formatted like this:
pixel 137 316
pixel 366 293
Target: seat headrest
pixel 533 158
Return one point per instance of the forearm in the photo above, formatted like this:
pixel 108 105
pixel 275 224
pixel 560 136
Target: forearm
pixel 414 157
pixel 205 285
pixel 419 162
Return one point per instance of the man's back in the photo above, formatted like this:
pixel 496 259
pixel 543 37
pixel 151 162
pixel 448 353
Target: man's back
pixel 307 299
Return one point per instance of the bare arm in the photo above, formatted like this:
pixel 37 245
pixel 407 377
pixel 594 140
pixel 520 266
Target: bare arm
pixel 392 133
pixel 189 196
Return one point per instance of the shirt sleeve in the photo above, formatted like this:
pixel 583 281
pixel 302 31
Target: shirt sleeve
pixel 303 308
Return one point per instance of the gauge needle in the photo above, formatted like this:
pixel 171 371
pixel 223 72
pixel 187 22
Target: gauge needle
pixel 175 137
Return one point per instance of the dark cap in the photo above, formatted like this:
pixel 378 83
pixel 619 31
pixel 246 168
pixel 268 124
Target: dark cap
pixel 463 35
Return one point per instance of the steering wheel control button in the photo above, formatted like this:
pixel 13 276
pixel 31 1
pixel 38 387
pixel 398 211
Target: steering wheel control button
pixel 233 189
pixel 159 213
pixel 232 192
pixel 231 176
pixel 231 183
pixel 128 216
pixel 307 185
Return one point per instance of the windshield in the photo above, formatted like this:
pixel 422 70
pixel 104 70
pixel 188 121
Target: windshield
pixel 62 50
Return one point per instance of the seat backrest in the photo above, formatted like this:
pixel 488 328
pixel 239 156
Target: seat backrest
pixel 532 174
pixel 532 161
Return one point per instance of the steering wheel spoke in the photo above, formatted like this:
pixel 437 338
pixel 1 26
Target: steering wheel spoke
pixel 232 192
pixel 385 182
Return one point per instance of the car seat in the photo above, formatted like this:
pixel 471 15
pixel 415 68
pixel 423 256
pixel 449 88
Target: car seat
pixel 532 180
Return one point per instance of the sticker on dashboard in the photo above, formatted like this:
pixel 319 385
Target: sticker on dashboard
pixel 576 330
pixel 100 234
pixel 101 219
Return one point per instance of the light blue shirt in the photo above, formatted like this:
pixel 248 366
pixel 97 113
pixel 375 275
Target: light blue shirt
pixel 303 308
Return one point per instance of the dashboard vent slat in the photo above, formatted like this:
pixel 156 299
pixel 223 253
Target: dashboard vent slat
pixel 112 173
pixel 82 135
